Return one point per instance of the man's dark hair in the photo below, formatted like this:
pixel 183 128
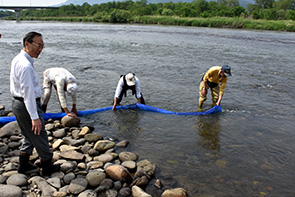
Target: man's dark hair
pixel 29 37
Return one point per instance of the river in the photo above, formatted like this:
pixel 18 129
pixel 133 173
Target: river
pixel 246 150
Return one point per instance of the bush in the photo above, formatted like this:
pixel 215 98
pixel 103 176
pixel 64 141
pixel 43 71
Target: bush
pixel 120 16
pixel 167 12
pixel 269 14
pixel 290 15
pixel 281 14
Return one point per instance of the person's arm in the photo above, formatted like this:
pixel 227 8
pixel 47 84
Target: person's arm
pixel 60 84
pixel 221 90
pixel 137 89
pixel 115 103
pixel 118 92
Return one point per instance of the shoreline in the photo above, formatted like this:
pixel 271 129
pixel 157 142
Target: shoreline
pixel 91 165
pixel 215 22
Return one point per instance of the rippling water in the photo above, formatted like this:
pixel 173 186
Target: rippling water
pixel 247 150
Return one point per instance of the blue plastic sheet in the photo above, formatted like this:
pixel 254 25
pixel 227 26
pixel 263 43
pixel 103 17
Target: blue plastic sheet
pixel 46 116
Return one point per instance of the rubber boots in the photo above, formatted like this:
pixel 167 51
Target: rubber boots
pixel 24 164
pixel 48 168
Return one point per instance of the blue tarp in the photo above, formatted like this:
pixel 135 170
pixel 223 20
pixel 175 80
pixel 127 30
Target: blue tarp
pixel 46 116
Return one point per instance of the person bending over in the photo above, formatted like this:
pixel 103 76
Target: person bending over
pixel 63 81
pixel 213 77
pixel 128 82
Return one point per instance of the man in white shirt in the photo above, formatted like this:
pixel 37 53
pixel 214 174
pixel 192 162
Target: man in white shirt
pixel 126 82
pixel 26 106
pixel 63 81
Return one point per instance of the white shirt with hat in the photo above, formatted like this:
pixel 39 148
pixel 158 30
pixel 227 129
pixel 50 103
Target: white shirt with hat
pixel 121 84
pixel 24 82
pixel 59 77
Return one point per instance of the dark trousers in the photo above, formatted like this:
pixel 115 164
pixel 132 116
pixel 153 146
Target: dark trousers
pixel 40 142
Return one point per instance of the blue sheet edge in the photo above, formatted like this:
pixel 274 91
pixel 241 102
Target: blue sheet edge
pixel 46 116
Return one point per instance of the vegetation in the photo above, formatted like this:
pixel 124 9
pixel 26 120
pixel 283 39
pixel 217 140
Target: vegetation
pixel 264 14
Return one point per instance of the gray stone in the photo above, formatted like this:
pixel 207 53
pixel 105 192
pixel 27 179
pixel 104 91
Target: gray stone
pixel 94 178
pixel 69 177
pixel 122 143
pixel 10 190
pixel 9 129
pixel 73 142
pixel 17 180
pixel 147 166
pixel 59 133
pixel 46 189
pixel 104 145
pixel 127 156
pixel 78 185
pixel 72 154
pixel 92 137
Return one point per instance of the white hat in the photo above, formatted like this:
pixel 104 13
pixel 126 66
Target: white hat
pixel 130 79
pixel 72 88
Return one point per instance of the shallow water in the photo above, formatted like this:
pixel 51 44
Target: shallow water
pixel 247 150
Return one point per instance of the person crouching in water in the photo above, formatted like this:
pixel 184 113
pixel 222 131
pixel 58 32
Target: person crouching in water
pixel 63 81
pixel 213 77
pixel 126 82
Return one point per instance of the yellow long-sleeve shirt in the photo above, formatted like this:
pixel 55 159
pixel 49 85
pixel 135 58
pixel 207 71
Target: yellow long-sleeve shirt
pixel 212 75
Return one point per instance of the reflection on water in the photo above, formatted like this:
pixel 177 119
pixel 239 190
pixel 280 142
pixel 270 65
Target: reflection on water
pixel 208 129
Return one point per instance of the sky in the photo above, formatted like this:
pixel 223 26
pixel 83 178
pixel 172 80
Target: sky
pixel 30 2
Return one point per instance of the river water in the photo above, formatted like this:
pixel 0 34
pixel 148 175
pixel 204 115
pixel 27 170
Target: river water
pixel 247 150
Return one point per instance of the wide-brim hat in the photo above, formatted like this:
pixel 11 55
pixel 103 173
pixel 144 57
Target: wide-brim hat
pixel 130 79
pixel 72 88
pixel 226 70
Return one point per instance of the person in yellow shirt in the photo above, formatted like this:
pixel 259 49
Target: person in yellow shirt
pixel 213 77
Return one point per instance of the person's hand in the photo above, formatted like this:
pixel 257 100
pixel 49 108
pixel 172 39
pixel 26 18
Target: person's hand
pixel 72 114
pixel 203 92
pixel 218 102
pixel 36 126
pixel 74 110
pixel 114 107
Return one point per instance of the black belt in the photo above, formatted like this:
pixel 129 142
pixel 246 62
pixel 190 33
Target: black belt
pixel 22 99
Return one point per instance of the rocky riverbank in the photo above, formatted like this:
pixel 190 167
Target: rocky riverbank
pixel 91 165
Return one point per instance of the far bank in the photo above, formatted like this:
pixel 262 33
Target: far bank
pixel 216 22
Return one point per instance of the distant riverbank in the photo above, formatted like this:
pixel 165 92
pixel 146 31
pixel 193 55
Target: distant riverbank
pixel 217 22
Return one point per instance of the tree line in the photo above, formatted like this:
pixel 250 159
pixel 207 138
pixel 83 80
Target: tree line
pixel 122 12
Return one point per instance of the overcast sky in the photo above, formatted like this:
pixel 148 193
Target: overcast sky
pixel 30 2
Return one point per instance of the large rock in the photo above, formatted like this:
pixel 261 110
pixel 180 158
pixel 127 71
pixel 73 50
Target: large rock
pixel 9 129
pixel 10 190
pixel 119 173
pixel 69 121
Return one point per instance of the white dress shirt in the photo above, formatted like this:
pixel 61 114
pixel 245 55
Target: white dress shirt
pixel 120 87
pixel 24 82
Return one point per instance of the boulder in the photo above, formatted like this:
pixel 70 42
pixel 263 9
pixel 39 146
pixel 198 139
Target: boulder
pixel 69 121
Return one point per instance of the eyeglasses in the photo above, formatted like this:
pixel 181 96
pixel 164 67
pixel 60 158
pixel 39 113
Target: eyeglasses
pixel 38 45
